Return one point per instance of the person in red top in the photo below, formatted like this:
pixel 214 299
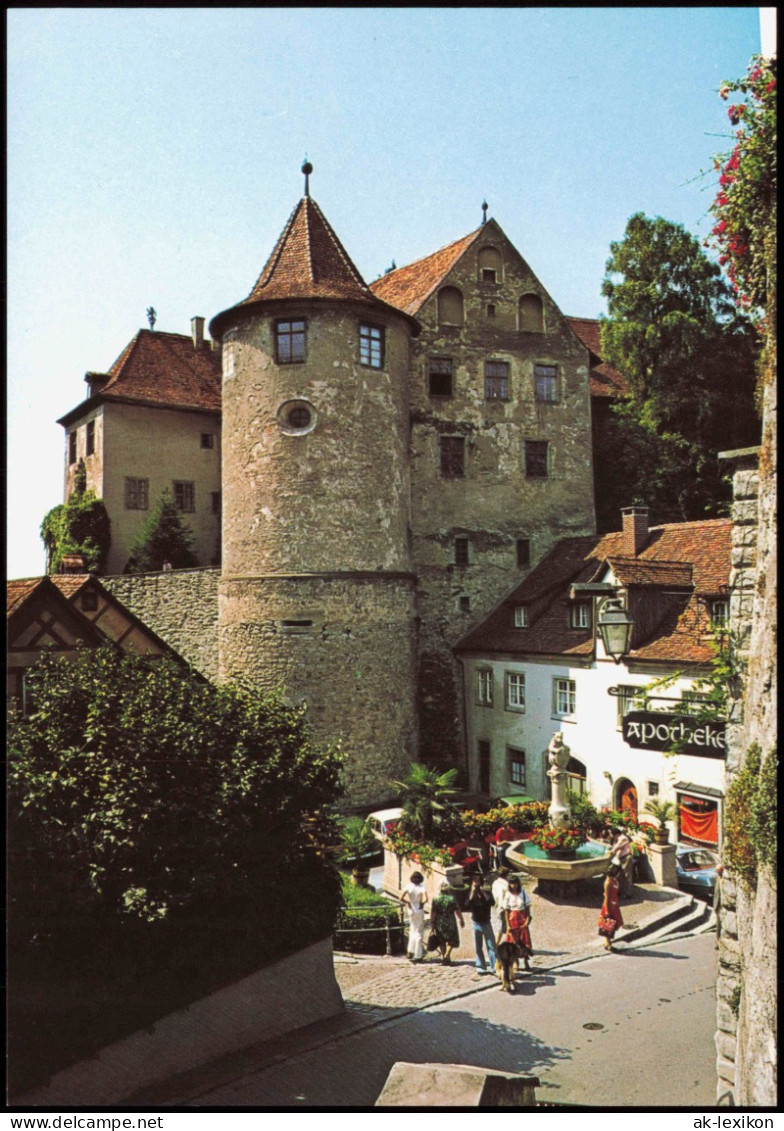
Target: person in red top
pixel 610 918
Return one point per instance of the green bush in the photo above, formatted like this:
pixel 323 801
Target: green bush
pixel 362 922
pixel 157 827
pixel 80 526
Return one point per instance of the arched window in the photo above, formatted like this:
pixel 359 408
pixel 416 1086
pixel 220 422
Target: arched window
pixel 450 307
pixel 530 314
pixel 489 262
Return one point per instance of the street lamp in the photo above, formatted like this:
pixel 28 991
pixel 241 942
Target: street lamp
pixel 615 628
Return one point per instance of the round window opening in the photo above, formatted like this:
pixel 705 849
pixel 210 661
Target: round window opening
pixel 297 418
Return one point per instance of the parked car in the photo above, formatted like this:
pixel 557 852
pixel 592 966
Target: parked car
pixel 696 870
pixel 383 821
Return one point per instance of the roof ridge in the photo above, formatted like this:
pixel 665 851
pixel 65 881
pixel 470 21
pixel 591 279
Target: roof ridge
pixel 432 254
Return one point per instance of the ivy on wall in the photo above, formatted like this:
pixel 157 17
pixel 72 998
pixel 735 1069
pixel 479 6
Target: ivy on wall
pixel 750 816
pixel 80 526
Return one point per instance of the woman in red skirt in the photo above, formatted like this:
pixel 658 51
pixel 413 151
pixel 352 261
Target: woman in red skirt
pixel 610 918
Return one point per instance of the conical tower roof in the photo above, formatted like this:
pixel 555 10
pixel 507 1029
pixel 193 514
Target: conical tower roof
pixel 307 262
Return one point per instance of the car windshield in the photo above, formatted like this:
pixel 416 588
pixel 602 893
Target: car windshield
pixel 693 861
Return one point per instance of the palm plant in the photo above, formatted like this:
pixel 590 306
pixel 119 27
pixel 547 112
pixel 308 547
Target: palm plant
pixel 425 795
pixel 356 841
pixel 662 811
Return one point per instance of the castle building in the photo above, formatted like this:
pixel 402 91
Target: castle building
pixel 394 458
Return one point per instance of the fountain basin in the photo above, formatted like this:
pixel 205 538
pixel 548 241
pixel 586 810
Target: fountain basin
pixel 590 859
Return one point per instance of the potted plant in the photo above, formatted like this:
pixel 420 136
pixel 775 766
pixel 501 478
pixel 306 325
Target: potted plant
pixel 661 811
pixel 357 845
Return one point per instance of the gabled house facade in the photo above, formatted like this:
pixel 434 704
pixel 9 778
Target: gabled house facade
pixel 151 423
pixel 61 613
pixel 537 665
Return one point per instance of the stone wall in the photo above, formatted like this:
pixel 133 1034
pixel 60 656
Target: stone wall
pixel 181 607
pixel 747 973
pixel 346 645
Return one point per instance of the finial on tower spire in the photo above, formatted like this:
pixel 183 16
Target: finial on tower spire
pixel 484 211
pixel 307 169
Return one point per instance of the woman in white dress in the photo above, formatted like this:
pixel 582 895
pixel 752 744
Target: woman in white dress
pixel 415 898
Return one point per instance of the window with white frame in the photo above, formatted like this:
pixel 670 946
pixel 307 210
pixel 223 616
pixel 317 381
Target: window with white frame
pixel 627 693
pixel 521 616
pixel 484 687
pixel 515 691
pixel 517 774
pixel 546 384
pixel 653 788
pixel 720 613
pixel 290 341
pixel 228 360
pixel 564 697
pixel 580 615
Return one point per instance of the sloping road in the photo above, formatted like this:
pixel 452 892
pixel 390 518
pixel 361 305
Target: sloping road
pixel 619 1030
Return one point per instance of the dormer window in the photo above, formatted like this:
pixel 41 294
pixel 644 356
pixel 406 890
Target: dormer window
pixel 580 615
pixel 290 341
pixel 521 616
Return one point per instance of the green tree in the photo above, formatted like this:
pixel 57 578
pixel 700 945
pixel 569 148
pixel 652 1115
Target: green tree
pixel 688 359
pixel 79 526
pixel 425 796
pixel 164 537
pixel 137 789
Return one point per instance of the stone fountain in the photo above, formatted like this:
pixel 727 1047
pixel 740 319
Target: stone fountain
pixel 590 859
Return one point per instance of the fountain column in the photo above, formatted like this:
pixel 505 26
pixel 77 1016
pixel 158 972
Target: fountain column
pixel 558 754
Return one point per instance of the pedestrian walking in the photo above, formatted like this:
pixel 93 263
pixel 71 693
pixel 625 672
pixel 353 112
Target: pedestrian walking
pixel 498 890
pixel 622 852
pixel 480 904
pixel 717 894
pixel 415 898
pixel 443 912
pixel 516 908
pixel 610 918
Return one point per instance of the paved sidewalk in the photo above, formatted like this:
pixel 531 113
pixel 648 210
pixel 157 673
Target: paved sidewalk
pixel 563 931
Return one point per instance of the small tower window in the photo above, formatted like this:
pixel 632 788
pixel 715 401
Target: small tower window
pixel 536 459
pixel 439 375
pixel 452 457
pixel 530 314
pixel 450 307
pixel 290 341
pixel 496 380
pixel 89 448
pixel 371 346
pixel 489 262
pixel 297 418
pixel 546 379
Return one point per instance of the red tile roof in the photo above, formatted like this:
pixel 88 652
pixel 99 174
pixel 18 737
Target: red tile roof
pixel 307 262
pixel 605 381
pixel 409 287
pixel 675 555
pixel 165 370
pixel 17 592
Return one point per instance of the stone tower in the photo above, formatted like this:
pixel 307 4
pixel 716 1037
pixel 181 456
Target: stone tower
pixel 317 594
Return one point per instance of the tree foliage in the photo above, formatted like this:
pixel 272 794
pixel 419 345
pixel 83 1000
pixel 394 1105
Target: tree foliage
pixel 79 526
pixel 425 796
pixel 137 789
pixel 688 359
pixel 164 537
pixel 745 205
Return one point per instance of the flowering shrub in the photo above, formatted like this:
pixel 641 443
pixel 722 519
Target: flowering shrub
pixel 565 839
pixel 406 845
pixel 744 208
pixel 521 817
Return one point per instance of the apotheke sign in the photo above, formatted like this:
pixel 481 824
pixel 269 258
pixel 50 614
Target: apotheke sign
pixel 649 730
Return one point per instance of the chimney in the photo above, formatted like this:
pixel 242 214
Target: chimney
pixel 635 530
pixel 197 332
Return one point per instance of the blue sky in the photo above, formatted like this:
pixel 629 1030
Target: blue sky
pixel 154 156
